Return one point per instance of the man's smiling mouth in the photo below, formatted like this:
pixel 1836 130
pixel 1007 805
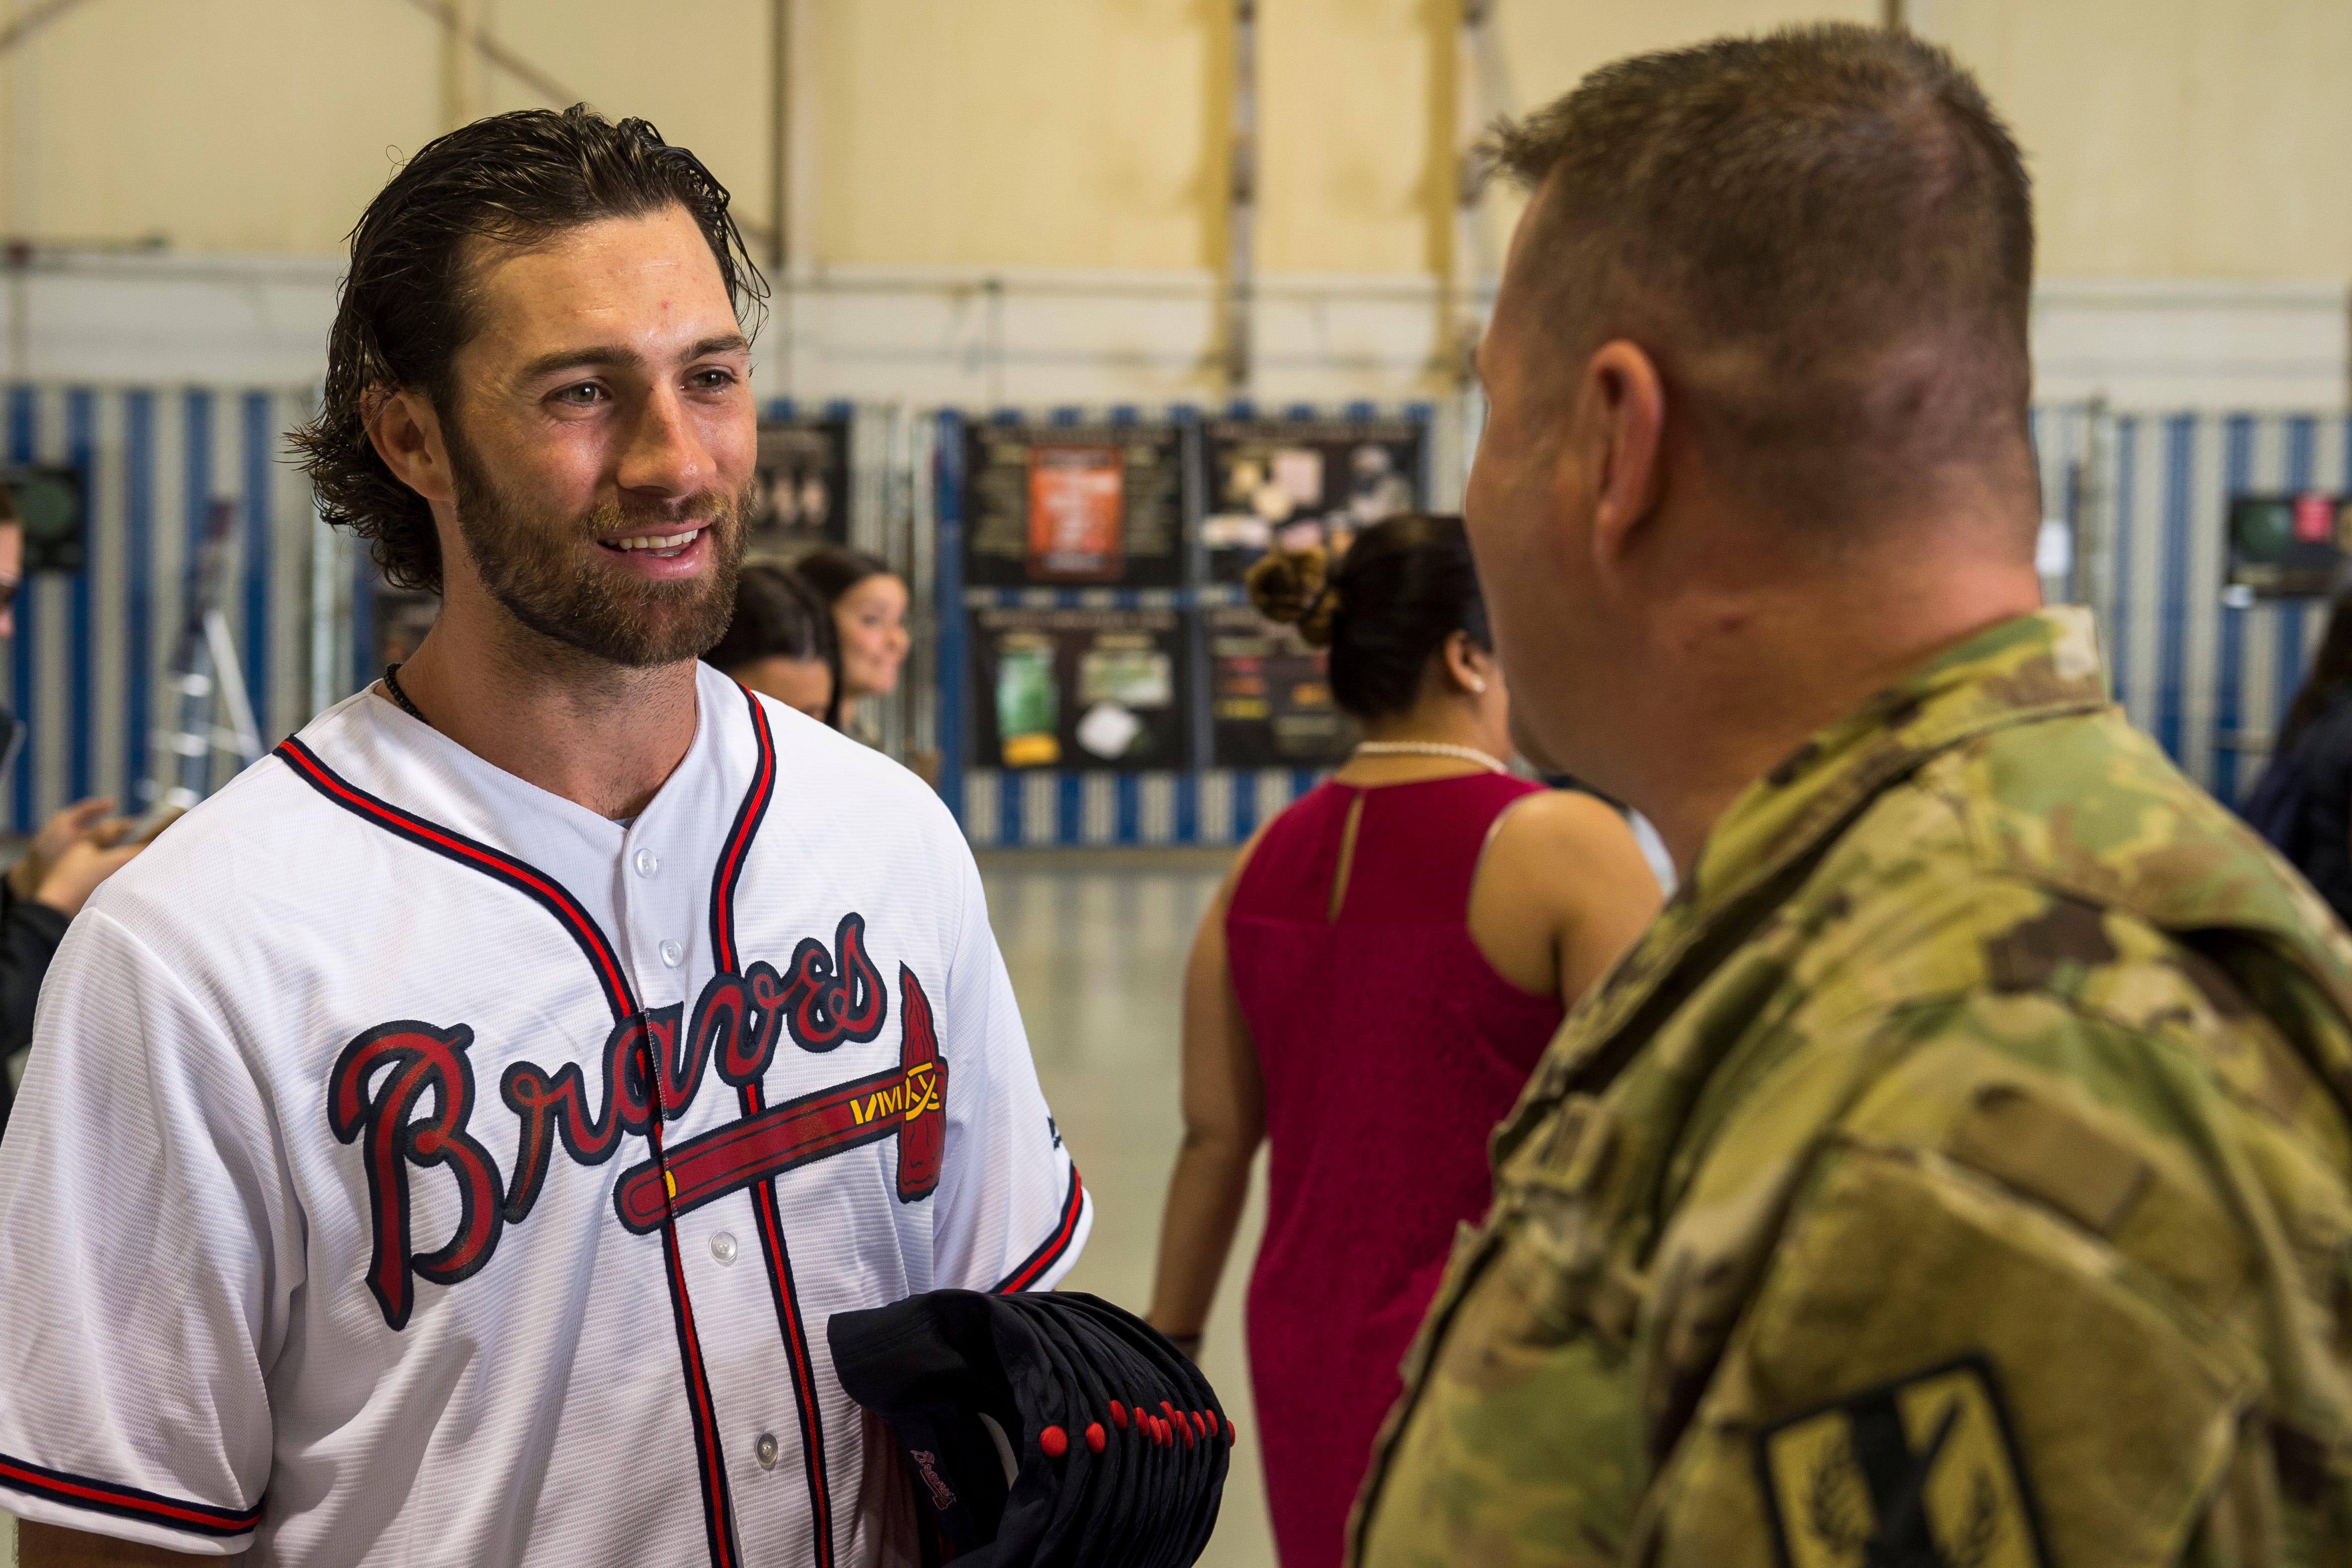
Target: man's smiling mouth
pixel 659 544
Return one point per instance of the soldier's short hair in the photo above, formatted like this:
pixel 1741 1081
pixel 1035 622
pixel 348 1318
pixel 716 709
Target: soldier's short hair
pixel 1825 231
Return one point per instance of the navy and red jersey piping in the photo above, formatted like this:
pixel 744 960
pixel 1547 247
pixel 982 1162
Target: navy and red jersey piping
pixel 774 1250
pixel 549 894
pixel 195 1519
pixel 718 1502
pixel 1051 1250
pixel 738 845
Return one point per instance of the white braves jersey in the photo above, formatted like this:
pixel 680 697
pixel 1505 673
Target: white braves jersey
pixel 414 1166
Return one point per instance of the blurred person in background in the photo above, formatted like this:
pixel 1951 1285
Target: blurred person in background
pixel 782 643
pixel 76 850
pixel 870 615
pixel 1367 995
pixel 2303 804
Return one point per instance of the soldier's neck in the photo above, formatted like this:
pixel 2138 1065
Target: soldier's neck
pixel 1755 688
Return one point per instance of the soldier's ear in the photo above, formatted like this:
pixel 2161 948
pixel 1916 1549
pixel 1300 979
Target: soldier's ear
pixel 1620 422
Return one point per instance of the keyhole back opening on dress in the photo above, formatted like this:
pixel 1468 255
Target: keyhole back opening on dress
pixel 1347 861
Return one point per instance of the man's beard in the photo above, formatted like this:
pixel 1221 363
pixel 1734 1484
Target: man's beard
pixel 543 571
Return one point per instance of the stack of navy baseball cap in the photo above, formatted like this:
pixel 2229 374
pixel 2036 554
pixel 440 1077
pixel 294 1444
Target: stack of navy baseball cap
pixel 1043 1431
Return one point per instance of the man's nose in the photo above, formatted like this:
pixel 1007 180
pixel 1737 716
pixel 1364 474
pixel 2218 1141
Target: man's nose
pixel 663 454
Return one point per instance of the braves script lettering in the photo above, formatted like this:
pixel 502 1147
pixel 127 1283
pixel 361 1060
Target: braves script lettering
pixel 404 1093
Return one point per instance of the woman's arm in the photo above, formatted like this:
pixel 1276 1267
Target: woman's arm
pixel 1224 1122
pixel 1562 891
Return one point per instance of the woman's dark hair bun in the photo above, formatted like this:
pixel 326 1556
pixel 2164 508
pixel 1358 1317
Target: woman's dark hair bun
pixel 1385 607
pixel 1294 587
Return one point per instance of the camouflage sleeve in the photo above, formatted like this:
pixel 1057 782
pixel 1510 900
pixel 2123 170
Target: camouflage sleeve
pixel 1517 1442
pixel 1998 1283
pixel 2056 1288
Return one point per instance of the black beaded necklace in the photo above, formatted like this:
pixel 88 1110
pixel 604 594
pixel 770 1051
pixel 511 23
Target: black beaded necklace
pixel 391 685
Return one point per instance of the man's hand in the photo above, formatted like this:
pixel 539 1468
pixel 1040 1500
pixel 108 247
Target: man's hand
pixel 45 1546
pixel 79 870
pixel 81 822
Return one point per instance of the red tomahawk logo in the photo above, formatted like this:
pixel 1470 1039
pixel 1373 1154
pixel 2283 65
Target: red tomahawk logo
pixel 907 1102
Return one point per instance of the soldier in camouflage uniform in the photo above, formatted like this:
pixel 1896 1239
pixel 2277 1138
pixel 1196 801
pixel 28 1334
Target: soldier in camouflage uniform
pixel 1958 1174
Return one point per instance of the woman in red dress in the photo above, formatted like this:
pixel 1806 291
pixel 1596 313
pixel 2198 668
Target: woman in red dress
pixel 1367 995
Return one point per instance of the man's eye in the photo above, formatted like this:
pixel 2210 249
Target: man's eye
pixel 587 394
pixel 711 381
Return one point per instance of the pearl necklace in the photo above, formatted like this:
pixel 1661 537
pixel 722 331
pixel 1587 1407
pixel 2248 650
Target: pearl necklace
pixel 1429 748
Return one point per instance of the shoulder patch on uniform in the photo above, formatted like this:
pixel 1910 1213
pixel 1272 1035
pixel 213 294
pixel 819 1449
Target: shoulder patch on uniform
pixel 2034 953
pixel 1922 1472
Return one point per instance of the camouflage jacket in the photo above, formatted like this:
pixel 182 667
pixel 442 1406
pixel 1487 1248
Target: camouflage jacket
pixel 1955 1176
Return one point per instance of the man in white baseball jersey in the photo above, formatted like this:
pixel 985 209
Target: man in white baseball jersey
pixel 447 1145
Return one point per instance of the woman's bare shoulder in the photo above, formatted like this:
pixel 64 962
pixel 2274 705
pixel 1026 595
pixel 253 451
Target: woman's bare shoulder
pixel 1563 819
pixel 1572 853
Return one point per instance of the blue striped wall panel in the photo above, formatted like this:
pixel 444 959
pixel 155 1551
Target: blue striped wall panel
pixel 2209 680
pixel 88 669
pixel 1079 809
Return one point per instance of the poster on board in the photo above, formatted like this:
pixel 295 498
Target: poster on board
pixel 1303 483
pixel 2288 546
pixel 802 490
pixel 1270 695
pixel 48 503
pixel 1076 513
pixel 1098 506
pixel 1079 688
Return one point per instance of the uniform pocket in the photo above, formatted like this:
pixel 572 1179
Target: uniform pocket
pixel 1931 1360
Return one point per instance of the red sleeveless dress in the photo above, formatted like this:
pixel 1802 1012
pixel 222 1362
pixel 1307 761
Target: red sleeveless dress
pixel 1389 1049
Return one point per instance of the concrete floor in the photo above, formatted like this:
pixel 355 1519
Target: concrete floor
pixel 1096 944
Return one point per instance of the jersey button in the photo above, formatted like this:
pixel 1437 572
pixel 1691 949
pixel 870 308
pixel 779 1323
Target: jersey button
pixel 765 1450
pixel 646 863
pixel 722 1247
pixel 672 954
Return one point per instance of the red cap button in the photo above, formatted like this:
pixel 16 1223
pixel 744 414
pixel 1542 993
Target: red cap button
pixel 1055 1441
pixel 1095 1438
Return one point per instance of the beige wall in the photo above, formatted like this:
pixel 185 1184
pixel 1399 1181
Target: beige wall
pixel 1033 133
pixel 265 125
pixel 2175 138
pixel 2170 138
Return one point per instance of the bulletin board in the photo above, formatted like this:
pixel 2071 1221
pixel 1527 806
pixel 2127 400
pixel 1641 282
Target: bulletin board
pixel 802 492
pixel 1270 695
pixel 2285 546
pixel 1070 506
pixel 1080 688
pixel 1299 483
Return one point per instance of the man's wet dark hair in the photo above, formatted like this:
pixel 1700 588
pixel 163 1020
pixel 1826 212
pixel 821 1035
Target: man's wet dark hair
pixel 1384 609
pixel 406 305
pixel 1823 234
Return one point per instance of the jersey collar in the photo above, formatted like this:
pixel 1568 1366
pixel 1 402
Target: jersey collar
pixel 2036 666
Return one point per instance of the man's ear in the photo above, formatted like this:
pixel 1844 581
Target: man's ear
pixel 406 430
pixel 1623 416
